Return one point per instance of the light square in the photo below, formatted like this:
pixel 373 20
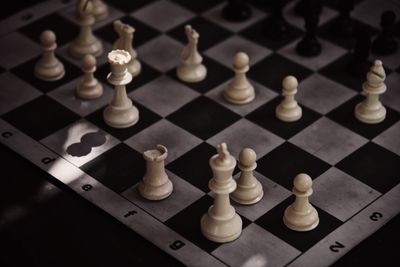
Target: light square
pixel 162 53
pixel 183 195
pixel 340 194
pixel 322 94
pixel 70 138
pixel 163 95
pixel 329 53
pixel 390 139
pixel 391 97
pixel 14 92
pixel 66 95
pixel 370 13
pixel 215 15
pixel 244 133
pixel 263 95
pixel 165 133
pixel 16 49
pixel 225 51
pixel 256 247
pixel 328 140
pixel 163 15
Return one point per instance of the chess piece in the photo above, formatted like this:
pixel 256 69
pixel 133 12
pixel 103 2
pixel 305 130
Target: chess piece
pixel 359 63
pixel 236 11
pixel 155 184
pixel 86 42
pixel 191 69
pixel 309 45
pixel 49 68
pixel 89 87
pixel 100 10
pixel 124 42
pixel 301 215
pixel 239 90
pixel 249 190
pixel 121 113
pixel 385 43
pixel 343 26
pixel 289 110
pixel 221 223
pixel 371 110
pixel 276 27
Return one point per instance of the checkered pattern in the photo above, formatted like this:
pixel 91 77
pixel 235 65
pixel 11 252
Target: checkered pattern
pixel 327 143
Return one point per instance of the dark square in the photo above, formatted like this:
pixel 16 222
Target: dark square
pixel 198 6
pixel 211 33
pixel 146 75
pixel 146 118
pixel 286 161
pixel 65 30
pixel 274 68
pixel 193 166
pixel 143 32
pixel 26 72
pixel 327 32
pixel 203 117
pixel 129 6
pixel 258 33
pixel 118 168
pixel 265 117
pixel 187 223
pixel 374 166
pixel 40 117
pixel 216 75
pixel 2 70
pixel 272 221
pixel 344 114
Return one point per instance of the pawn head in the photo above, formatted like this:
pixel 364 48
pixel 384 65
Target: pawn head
pixel 241 60
pixel 302 182
pixel 247 157
pixel 88 61
pixel 290 83
pixel 388 18
pixel 47 38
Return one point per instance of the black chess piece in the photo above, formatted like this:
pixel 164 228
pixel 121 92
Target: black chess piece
pixel 309 46
pixel 236 11
pixel 359 64
pixel 276 25
pixel 343 26
pixel 301 7
pixel 385 43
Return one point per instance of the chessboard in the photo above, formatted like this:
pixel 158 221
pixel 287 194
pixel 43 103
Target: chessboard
pixel 354 166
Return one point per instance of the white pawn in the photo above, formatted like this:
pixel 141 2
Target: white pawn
pixel 89 87
pixel 301 215
pixel 124 42
pixel 289 110
pixel 221 223
pixel 249 190
pixel 155 184
pixel 191 69
pixel 121 113
pixel 239 90
pixel 371 109
pixel 49 68
pixel 100 10
pixel 86 42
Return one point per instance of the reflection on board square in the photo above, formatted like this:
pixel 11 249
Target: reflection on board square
pixel 272 222
pixel 118 168
pixel 41 117
pixel 25 72
pixel 382 174
pixel 265 117
pixel 286 161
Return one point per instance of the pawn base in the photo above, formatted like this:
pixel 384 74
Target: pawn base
pixel 288 115
pixel 152 192
pixel 301 222
pixel 78 50
pixel 89 92
pixel 308 48
pixel 369 116
pixel 248 195
pixel 221 231
pixel 121 117
pixel 241 96
pixel 191 74
pixel 49 73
